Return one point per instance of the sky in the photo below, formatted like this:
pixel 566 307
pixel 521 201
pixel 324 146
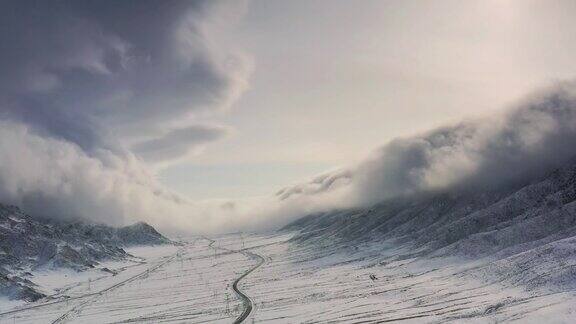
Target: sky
pixel 225 115
pixel 333 80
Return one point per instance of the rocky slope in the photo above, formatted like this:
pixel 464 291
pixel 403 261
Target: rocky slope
pixel 28 244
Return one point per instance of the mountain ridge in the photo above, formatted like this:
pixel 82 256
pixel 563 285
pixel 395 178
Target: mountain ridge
pixel 28 244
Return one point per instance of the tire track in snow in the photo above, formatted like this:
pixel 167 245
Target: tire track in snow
pixel 76 309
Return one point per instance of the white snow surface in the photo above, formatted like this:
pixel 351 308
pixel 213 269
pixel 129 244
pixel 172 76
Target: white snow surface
pixel 298 283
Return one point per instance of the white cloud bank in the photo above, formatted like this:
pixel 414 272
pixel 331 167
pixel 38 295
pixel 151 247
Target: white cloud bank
pixel 532 138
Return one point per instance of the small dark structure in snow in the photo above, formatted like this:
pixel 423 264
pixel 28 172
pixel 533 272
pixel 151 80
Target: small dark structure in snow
pixel 373 277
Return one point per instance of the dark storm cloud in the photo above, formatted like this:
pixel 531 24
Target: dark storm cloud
pixel 81 82
pixel 178 142
pixel 77 69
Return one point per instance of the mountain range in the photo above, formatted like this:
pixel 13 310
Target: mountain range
pixel 29 244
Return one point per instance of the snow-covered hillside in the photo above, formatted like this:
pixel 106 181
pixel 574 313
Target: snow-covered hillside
pixel 515 244
pixel 31 246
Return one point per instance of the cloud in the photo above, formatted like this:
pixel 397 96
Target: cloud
pixel 320 184
pixel 104 73
pixel 178 143
pixel 94 92
pixel 55 178
pixel 532 138
pixel 527 141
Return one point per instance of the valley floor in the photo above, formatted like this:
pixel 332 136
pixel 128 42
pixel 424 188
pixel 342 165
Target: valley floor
pixel 294 283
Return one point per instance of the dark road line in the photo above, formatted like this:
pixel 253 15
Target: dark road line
pixel 248 303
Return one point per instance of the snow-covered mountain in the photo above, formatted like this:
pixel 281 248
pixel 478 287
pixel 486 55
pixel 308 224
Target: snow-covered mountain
pixel 523 233
pixel 28 244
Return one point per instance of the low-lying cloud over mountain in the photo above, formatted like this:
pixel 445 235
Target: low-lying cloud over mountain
pixel 532 138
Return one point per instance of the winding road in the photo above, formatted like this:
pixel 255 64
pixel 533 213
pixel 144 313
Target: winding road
pixel 82 302
pixel 248 303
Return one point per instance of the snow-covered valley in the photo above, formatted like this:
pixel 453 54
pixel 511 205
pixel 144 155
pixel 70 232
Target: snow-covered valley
pixel 185 283
pixel 299 282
